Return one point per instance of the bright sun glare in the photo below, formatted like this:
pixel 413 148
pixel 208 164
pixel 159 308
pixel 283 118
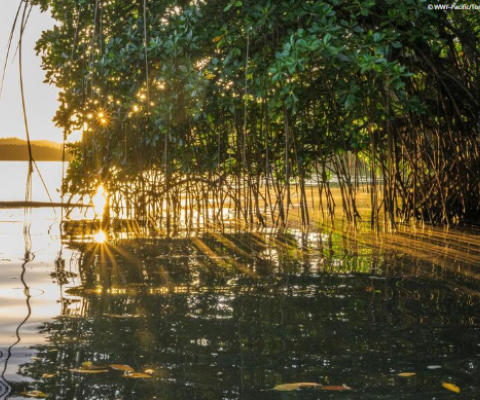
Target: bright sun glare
pixel 100 237
pixel 99 200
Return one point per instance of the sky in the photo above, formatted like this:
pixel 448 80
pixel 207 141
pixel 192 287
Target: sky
pixel 41 98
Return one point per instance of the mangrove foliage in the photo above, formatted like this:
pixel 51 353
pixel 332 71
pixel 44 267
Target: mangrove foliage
pixel 190 108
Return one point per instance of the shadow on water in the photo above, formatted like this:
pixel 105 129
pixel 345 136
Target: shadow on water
pixel 231 316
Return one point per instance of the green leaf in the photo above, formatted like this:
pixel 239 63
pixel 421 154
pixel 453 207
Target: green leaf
pixel 350 100
pixel 377 36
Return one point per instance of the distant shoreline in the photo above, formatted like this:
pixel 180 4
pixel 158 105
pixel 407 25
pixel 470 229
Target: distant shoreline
pixel 39 204
pixel 66 161
pixel 14 149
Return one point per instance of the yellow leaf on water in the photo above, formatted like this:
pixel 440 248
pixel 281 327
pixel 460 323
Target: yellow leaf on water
pixel 286 387
pixel 48 376
pixel 122 367
pixel 137 375
pixel 89 366
pixel 451 387
pixel 34 393
pixel 89 371
pixel 337 388
pixel 407 374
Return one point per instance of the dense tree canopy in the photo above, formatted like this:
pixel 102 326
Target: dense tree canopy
pixel 240 94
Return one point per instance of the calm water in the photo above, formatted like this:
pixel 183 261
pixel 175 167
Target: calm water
pixel 231 317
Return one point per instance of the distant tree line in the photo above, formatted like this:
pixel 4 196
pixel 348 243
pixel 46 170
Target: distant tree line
pixel 17 150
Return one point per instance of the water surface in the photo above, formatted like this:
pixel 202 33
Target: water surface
pixel 233 316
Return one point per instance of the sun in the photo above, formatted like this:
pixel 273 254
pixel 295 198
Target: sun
pixel 100 237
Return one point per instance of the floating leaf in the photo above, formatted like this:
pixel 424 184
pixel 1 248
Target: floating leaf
pixel 451 387
pixel 48 376
pixel 337 388
pixel 285 387
pixel 122 367
pixel 89 371
pixel 434 366
pixel 88 365
pixel 406 374
pixel 101 366
pixel 137 375
pixel 34 393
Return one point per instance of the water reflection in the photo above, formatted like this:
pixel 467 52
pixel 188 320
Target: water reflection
pixel 6 388
pixel 231 316
pixel 100 237
pixel 99 201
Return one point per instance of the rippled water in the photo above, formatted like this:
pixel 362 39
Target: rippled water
pixel 234 316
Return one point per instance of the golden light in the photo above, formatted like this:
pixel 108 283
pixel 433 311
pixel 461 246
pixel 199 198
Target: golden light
pixel 160 84
pixel 99 200
pixel 102 117
pixel 100 237
pixel 136 108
